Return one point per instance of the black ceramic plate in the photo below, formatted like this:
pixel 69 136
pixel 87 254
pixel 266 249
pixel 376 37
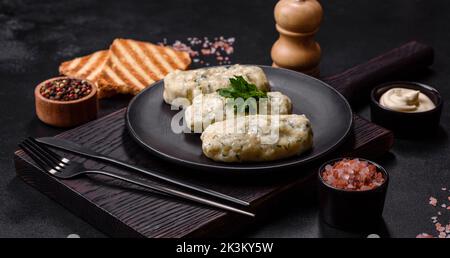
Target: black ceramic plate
pixel 149 117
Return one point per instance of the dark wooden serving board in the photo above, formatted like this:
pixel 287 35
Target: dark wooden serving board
pixel 121 210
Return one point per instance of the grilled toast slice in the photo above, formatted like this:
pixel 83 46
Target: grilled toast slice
pixel 89 67
pixel 127 67
pixel 133 65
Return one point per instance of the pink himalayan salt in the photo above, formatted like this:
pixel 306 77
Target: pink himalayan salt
pixel 353 174
pixel 424 235
pixel 221 48
pixel 433 201
pixel 439 227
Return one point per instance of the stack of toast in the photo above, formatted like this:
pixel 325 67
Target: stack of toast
pixel 127 67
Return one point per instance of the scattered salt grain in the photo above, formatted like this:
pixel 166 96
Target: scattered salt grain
pixel 424 235
pixel 442 231
pixel 217 50
pixel 439 227
pixel 433 201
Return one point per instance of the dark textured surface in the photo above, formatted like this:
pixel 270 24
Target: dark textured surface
pixel 36 36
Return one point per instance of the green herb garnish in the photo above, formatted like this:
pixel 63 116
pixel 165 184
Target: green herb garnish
pixel 240 88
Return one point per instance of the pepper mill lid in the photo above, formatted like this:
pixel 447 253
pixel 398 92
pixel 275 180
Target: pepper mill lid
pixel 300 16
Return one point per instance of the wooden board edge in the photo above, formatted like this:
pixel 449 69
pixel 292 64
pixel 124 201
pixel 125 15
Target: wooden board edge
pixel 386 141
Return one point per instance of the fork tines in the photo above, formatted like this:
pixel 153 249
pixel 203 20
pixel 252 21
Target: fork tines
pixel 46 158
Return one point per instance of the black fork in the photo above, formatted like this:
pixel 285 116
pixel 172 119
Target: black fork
pixel 64 168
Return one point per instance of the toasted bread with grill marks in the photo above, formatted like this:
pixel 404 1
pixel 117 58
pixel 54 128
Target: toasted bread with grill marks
pixel 134 65
pixel 87 67
pixel 127 67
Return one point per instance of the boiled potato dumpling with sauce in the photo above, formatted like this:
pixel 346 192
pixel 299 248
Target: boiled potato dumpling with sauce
pixel 210 108
pixel 257 138
pixel 189 84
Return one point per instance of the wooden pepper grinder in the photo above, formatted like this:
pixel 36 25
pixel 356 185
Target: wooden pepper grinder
pixel 297 21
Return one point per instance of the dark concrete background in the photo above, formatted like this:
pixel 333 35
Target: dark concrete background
pixel 35 36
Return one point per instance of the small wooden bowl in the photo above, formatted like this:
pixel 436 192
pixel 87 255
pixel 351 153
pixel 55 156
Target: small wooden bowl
pixel 66 113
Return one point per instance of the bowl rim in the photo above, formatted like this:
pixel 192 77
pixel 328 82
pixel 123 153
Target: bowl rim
pixel 332 161
pixel 62 102
pixel 392 84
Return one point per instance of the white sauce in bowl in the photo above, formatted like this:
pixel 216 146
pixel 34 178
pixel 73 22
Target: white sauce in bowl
pixel 406 100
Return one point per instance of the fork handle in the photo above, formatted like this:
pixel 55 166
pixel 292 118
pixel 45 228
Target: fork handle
pixel 83 151
pixel 159 176
pixel 172 192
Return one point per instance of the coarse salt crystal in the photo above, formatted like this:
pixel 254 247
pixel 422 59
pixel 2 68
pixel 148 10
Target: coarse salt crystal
pixel 206 51
pixel 353 175
pixel 424 235
pixel 439 227
pixel 203 47
pixel 433 201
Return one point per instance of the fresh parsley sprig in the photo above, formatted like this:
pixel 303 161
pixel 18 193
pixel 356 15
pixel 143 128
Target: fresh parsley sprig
pixel 240 88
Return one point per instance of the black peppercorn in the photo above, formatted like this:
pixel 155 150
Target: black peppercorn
pixel 66 89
